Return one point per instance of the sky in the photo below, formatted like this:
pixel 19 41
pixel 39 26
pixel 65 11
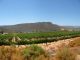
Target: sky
pixel 61 12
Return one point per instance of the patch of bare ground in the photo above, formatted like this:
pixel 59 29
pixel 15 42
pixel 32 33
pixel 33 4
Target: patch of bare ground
pixel 57 44
pixel 76 50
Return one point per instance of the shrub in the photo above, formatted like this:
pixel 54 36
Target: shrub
pixel 35 53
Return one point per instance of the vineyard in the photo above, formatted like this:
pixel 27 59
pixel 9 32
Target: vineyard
pixel 36 38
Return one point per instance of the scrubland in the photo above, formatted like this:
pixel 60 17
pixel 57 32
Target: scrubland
pixel 68 49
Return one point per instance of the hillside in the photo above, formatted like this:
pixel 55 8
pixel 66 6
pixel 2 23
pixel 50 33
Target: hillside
pixel 30 27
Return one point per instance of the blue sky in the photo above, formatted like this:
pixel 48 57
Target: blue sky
pixel 61 12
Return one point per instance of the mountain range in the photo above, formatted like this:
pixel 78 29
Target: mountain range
pixel 30 27
pixel 36 27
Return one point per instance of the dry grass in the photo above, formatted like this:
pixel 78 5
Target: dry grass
pixel 29 53
pixel 10 53
pixel 65 54
pixel 37 53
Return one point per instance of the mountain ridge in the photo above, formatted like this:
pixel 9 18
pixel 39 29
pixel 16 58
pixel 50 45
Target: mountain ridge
pixel 36 27
pixel 31 27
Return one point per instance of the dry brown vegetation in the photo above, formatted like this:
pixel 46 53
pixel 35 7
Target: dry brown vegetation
pixel 34 52
pixel 65 54
pixel 10 53
pixel 29 53
pixel 75 42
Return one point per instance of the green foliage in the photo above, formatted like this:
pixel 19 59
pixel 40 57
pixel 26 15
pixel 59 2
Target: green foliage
pixel 34 52
pixel 35 38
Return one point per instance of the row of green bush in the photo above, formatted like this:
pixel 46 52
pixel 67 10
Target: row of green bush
pixel 54 36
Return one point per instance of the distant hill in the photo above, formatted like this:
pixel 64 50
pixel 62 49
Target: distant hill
pixel 75 28
pixel 30 27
